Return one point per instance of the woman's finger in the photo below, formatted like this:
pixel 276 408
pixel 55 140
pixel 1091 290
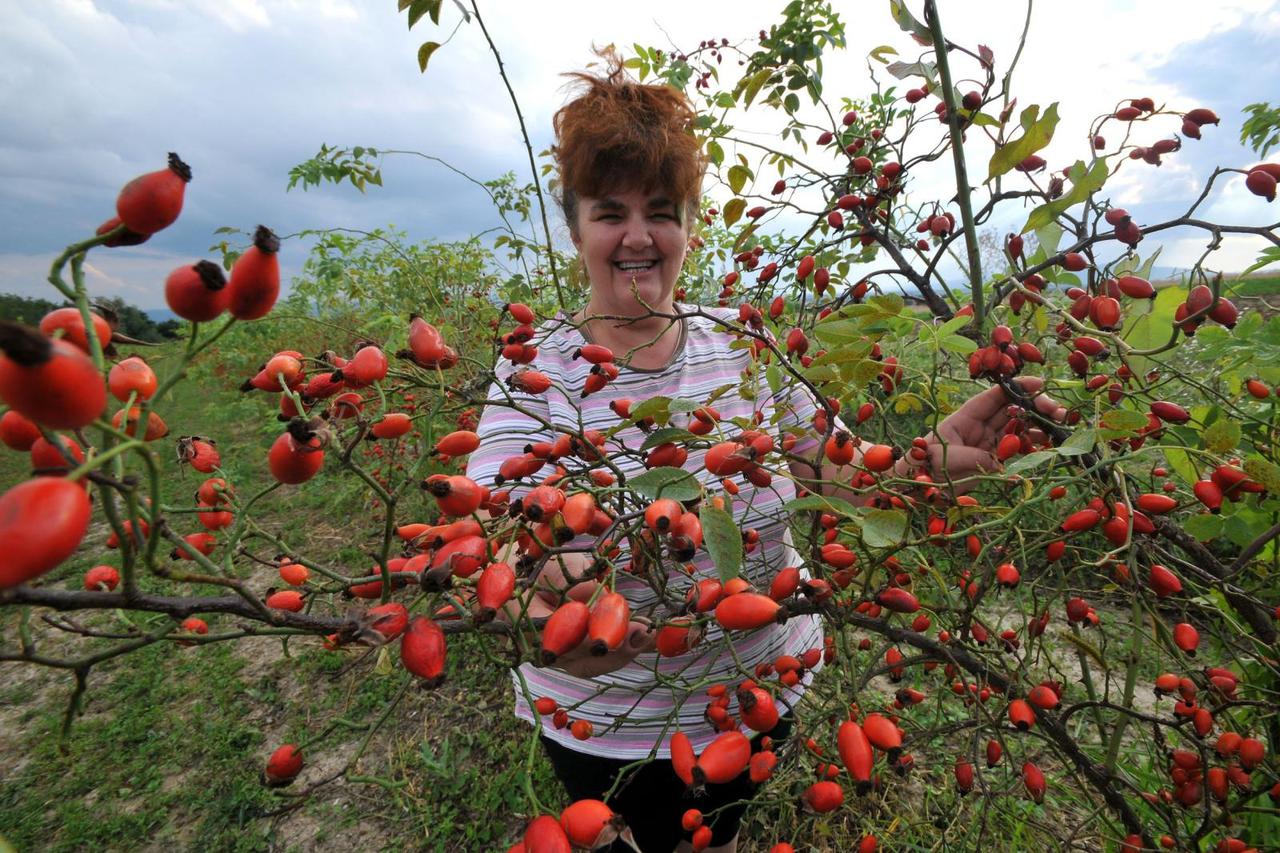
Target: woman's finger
pixel 1037 436
pixel 640 638
pixel 1045 405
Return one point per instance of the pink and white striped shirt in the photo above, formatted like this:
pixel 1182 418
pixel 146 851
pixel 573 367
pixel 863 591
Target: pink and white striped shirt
pixel 635 710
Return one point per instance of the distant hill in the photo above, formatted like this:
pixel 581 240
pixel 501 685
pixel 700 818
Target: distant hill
pixel 159 315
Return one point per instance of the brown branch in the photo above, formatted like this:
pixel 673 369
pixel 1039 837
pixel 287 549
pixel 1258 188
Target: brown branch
pixel 1258 617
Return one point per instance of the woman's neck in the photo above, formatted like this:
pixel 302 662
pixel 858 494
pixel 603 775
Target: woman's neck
pixel 654 339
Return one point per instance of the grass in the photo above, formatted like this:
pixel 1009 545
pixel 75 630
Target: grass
pixel 138 766
pixel 1257 285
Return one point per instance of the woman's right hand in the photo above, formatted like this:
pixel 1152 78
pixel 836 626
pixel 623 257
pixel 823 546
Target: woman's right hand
pixel 581 663
pixel 552 583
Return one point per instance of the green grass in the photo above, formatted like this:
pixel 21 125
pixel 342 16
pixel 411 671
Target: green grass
pixel 138 767
pixel 1259 285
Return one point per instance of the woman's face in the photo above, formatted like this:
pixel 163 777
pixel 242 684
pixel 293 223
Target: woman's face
pixel 631 236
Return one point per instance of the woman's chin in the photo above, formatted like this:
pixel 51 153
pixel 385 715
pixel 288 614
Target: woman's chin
pixel 648 291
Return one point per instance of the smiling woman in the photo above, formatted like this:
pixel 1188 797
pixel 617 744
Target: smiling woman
pixel 631 178
pixel 631 173
pixel 623 719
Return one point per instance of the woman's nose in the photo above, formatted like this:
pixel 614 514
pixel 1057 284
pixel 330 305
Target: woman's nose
pixel 637 234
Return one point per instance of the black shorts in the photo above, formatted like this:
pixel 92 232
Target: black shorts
pixel 653 799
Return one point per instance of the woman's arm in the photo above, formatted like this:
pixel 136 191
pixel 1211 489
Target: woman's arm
pixel 962 447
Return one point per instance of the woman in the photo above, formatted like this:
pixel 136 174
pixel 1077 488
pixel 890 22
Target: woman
pixel 631 173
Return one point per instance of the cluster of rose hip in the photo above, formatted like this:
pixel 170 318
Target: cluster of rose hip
pixel 1002 358
pixel 875 188
pixel 937 224
pixel 50 379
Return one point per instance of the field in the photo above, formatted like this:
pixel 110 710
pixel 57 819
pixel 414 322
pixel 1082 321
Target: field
pixel 169 747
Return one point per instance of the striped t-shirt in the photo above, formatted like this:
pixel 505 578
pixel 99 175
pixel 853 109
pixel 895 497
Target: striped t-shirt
pixel 638 707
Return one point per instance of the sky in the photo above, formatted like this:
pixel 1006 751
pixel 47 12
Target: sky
pixel 95 92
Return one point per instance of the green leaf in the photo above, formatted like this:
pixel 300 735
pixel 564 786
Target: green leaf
pixel 682 404
pixel 738 176
pixel 1221 436
pixel 903 70
pixel 751 85
pixel 1144 271
pixel 835 331
pixel 1203 527
pixel 890 304
pixel 662 436
pixel 884 528
pixel 1269 255
pixel 655 407
pixel 866 371
pixel 907 403
pixel 958 344
pixel 773 376
pixel 954 325
pixel 1122 420
pixel 1031 460
pixel 1079 442
pixel 879 53
pixel 418 8
pixel 1037 134
pixel 723 541
pixel 714 152
pixel 733 210
pixel 424 54
pixel 1083 185
pixel 823 503
pixel 675 483
pixel 1245 526
pixel 1150 322
pixel 743 236
pixel 1182 464
pixel 849 353
pixel 1264 472
pixel 1047 240
pixel 908 22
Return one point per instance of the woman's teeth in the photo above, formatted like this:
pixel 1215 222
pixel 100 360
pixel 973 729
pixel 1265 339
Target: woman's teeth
pixel 635 266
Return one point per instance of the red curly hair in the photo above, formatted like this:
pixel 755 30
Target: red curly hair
pixel 619 135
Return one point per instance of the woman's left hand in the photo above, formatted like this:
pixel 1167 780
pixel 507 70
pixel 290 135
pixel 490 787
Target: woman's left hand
pixel 964 443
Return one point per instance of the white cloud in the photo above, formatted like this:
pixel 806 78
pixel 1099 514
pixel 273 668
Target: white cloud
pixel 1139 184
pixel 1236 252
pixel 235 15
